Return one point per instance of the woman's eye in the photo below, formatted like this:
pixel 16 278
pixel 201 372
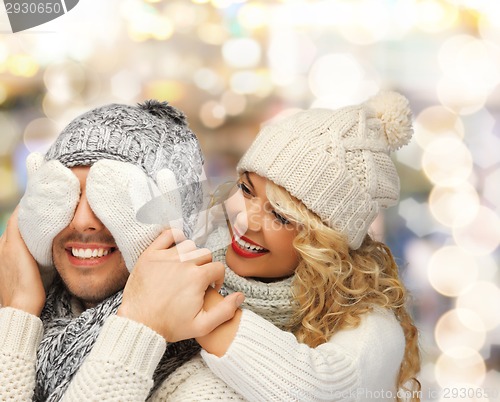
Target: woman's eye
pixel 244 188
pixel 282 219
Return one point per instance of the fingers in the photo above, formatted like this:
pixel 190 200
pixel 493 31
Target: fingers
pixel 213 274
pixel 199 256
pixel 167 239
pixel 207 321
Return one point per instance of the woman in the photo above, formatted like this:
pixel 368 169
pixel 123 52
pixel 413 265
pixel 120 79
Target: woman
pixel 324 316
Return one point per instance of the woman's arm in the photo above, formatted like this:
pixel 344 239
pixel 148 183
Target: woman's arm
pixel 217 342
pixel 265 363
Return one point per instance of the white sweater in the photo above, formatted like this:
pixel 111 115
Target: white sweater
pixel 262 364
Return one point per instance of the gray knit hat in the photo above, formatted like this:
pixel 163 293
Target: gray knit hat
pixel 337 161
pixel 152 135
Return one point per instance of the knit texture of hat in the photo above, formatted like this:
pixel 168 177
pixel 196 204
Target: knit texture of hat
pixel 152 135
pixel 337 161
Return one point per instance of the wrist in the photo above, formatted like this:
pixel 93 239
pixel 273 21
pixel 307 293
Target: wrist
pixel 25 304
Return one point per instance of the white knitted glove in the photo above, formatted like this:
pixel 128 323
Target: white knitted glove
pixel 47 207
pixel 116 191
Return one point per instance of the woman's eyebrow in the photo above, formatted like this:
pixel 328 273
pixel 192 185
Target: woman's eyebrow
pixel 248 178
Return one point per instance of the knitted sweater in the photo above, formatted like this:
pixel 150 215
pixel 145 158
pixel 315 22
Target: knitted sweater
pixel 120 366
pixel 263 363
pixel 266 363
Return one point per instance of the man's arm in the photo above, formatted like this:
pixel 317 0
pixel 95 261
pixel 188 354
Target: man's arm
pixel 22 297
pixel 162 301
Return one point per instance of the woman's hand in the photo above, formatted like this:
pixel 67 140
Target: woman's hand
pixel 20 281
pixel 166 289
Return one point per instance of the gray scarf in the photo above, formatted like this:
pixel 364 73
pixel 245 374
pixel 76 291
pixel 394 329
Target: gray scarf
pixel 272 301
pixel 67 340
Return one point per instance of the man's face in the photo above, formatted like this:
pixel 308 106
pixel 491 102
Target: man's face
pixel 85 253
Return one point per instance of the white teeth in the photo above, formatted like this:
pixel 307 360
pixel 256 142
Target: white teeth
pixel 88 252
pixel 247 245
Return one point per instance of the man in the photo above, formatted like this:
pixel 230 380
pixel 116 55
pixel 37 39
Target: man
pixel 67 329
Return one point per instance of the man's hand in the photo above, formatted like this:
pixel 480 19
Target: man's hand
pixel 166 292
pixel 20 282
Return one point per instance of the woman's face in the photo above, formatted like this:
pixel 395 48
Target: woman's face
pixel 261 244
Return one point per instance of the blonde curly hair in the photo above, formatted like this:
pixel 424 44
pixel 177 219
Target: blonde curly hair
pixel 334 285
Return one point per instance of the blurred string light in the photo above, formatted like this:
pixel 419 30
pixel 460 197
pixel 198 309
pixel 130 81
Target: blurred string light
pixel 9 135
pixel 8 186
pixel 212 114
pixel 145 22
pixel 483 298
pixel 3 93
pixel 489 22
pixel 454 206
pixel 254 15
pixel 22 65
pixel 435 121
pixel 290 55
pixel 451 332
pixel 241 52
pixel 481 236
pixel 491 189
pixel 233 103
pixel 338 80
pixel 64 81
pixel 39 134
pixel 451 270
pixel 460 367
pixel 435 16
pixel 447 161
pixel 471 70
pixel 126 85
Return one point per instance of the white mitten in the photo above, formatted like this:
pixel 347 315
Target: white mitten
pixel 116 191
pixel 47 207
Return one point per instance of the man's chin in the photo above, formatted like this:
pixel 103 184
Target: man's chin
pixel 90 297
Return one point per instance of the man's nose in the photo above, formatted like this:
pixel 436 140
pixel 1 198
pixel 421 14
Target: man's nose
pixel 84 219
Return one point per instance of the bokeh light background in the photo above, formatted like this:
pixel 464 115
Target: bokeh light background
pixel 231 65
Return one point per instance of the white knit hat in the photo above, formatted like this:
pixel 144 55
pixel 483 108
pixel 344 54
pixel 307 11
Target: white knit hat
pixel 337 161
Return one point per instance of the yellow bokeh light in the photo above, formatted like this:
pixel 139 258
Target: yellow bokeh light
pixel 454 206
pixel 447 161
pixel 212 114
pixel 481 236
pixel 460 365
pixel 8 186
pixel 164 90
pixel 3 93
pixel 212 34
pixel 365 23
pixel 483 298
pixel 435 16
pixel 435 121
pixel 451 270
pixel 451 333
pixel 22 65
pixel 254 15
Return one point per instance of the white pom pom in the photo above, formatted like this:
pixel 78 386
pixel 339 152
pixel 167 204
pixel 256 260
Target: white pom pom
pixel 394 112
